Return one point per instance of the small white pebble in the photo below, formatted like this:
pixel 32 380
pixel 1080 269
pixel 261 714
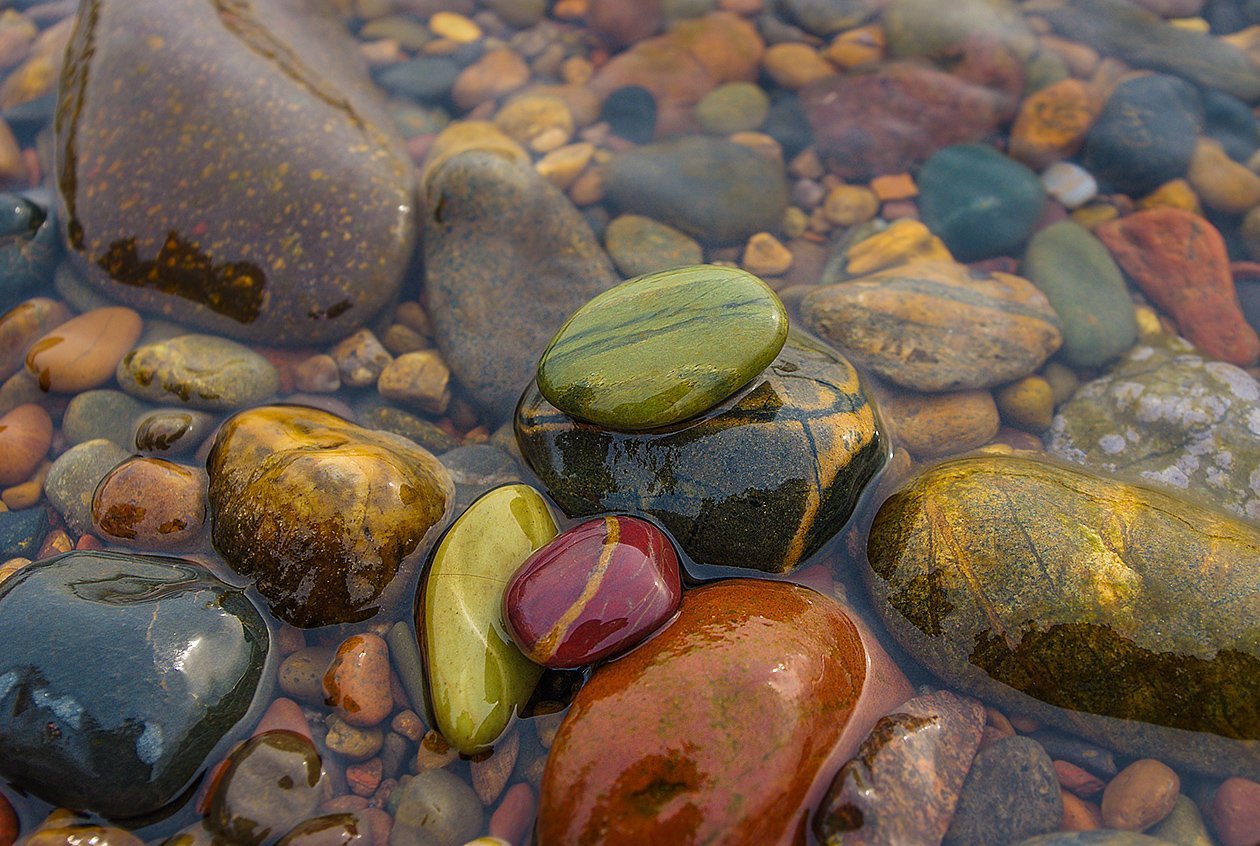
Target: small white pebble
pixel 1072 185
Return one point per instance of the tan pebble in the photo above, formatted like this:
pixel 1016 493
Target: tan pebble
pixel 354 742
pixel 576 70
pixel 151 503
pixel 930 425
pixel 498 72
pixel 21 325
pixel 765 255
pixel 360 359
pixel 1222 184
pixel 55 543
pixel 995 718
pixel 1199 25
pixel 490 775
pixel 794 65
pixel 561 166
pixel 1093 215
pixel 1010 440
pixel 356 683
pixel 1027 404
pixel 418 380
pixel 382 52
pixel 289 639
pixel 588 188
pixel 412 315
pixel 434 752
pixel 455 27
pixel 1141 795
pixel 795 222
pixel 759 142
pixel 25 495
pixel 1148 321
pixel 1025 724
pixel 807 165
pixel 904 242
pixel 894 186
pixel 1080 815
pixel 301 674
pixel 860 46
pixel 317 375
pixel 1174 194
pixel 408 724
pixel 11 566
pixel 400 339
pixel 465 135
pixel 84 351
pixel 529 115
pixel 26 433
pixel 488 841
pixel 1063 381
pixel 847 205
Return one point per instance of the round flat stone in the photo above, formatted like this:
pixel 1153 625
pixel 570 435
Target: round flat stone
pixel 663 347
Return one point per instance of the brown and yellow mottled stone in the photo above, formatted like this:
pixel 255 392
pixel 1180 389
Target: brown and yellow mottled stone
pixel 1120 613
pixel 229 164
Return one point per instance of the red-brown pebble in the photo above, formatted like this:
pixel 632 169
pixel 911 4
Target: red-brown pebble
pixel 150 503
pixel 21 325
pixel 1079 815
pixel 1235 812
pixel 1077 780
pixel 356 683
pixel 55 542
pixel 365 777
pixel 284 714
pixel 25 435
pixel 10 826
pixel 379 823
pixel 84 351
pixel 512 818
pixel 1141 795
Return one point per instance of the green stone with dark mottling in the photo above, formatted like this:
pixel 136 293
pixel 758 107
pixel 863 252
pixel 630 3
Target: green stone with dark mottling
pixel 198 371
pixel 760 481
pixel 663 347
pixel 1120 613
pixel 230 165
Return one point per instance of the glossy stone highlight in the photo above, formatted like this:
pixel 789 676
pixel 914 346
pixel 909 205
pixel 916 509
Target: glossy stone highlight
pixel 478 679
pixel 663 347
pixel 593 592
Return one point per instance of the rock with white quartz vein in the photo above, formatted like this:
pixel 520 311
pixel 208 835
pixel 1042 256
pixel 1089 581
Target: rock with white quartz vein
pixel 1167 415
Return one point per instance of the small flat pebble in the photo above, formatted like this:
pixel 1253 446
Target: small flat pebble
pixel 22 324
pixel 1011 793
pixel 150 504
pixel 356 683
pixel 83 352
pixel 1070 184
pixel 1027 404
pixel 639 245
pixel 26 433
pixel 102 413
pixel 427 434
pixel 171 431
pixel 1183 826
pixel 438 808
pixel 301 673
pixel 199 371
pixel 74 476
pixel 732 107
pixel 318 374
pixel 1141 795
pixel 419 380
pixel 931 425
pixel 21 532
pixel 360 359
pixel 354 742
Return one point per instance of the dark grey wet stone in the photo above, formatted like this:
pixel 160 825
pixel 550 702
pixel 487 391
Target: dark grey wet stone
pixel 1064 747
pixel 386 418
pixel 198 371
pixel 22 531
pixel 1145 134
pixel 269 785
pixel 427 78
pixel 507 259
pixel 1011 793
pixel 171 431
pixel 74 476
pixel 30 245
pixel 1230 121
pixel 476 469
pixel 827 17
pixel 710 188
pixel 175 658
pixel 788 124
pixel 630 113
pixel 102 413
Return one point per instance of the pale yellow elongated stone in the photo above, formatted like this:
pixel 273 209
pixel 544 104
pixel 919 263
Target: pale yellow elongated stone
pixel 478 678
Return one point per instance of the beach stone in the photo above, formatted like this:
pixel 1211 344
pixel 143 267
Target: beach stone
pixel 1027 404
pixel 1179 260
pixel 360 358
pixel 828 17
pixel 102 413
pixel 593 592
pixel 22 531
pixel 267 786
pixel 890 117
pixel 171 431
pixel 30 240
pixel 529 115
pixel 26 433
pixel 1141 795
pixel 498 72
pixel 1069 184
pixel 435 807
pixel 329 518
pixel 22 324
pixel 630 110
pixel 793 65
pixel 476 469
pixel 981 203
pixel 623 22
pixel 345 829
pixel 760 482
pixel 301 673
pixel 1183 826
pixel 931 425
pixel 478 678
pixel 1085 643
pixel 1142 40
pixel 1229 121
pixel 352 742
pixel 662 348
pixel 932 30
pixel 427 79
pixel 904 783
pixel 287 119
pixel 712 189
pixel 1234 811
pixel 1084 286
pixel 732 107
pixel 1052 123
pixel 932 326
pixel 645 756
pixel 639 245
pixel 1144 135
pixel 508 257
pixel 356 683
pixel 74 476
pixel 419 380
pixel 1222 184
pixel 1011 793
pixel 386 418
pixel 201 371
pixel 82 352
pixel 150 504
pixel 125 739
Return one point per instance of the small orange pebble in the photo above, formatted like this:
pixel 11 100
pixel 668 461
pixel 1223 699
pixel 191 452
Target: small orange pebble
pixel 89 542
pixel 1079 781
pixel 894 186
pixel 1079 815
pixel 55 543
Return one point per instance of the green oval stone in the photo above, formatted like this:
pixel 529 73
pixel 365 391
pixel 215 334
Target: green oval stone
pixel 663 347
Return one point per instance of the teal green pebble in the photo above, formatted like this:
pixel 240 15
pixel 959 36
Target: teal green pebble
pixel 664 347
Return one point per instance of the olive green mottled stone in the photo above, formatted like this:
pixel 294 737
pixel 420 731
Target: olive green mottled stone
pixel 1123 614
pixel 230 165
pixel 200 371
pixel 761 481
pixel 663 347
pixel 478 678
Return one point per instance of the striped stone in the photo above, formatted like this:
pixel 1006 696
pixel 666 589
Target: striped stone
pixel 663 348
pixel 760 482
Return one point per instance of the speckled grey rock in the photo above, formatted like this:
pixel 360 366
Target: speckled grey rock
pixel 199 371
pixel 1165 414
pixel 102 414
pixel 73 478
pixel 1011 793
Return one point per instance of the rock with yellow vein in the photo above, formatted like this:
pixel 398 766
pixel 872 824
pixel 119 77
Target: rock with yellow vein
pixel 906 241
pixel 1120 613
pixel 760 481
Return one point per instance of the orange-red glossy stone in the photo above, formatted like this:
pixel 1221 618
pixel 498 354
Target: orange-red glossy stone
pixel 722 729
pixel 593 592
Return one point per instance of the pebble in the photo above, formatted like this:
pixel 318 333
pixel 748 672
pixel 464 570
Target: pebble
pixel 74 476
pixel 529 117
pixel 765 255
pixel 21 532
pixel 268 785
pixel 102 413
pixel 1080 815
pixel 733 107
pixel 301 673
pixel 435 807
pixel 593 592
pixel 83 352
pixel 427 79
pixel 26 434
pixel 1183 826
pixel 639 245
pixel 329 830
pixel 356 683
pixel 171 431
pixel 199 371
pixel 150 504
pixel 1235 811
pixel 931 425
pixel 500 71
pixel 10 825
pixel 1223 185
pixel 21 325
pixel 1051 124
pixel 1141 795
pixel 419 380
pixel 1079 781
pixel 1069 184
pixel 318 374
pixel 360 359
pixel 1010 793
pixel 1027 404
pixel 355 743
pixel 562 166
pixel 490 775
pixel 794 65
pixel 849 205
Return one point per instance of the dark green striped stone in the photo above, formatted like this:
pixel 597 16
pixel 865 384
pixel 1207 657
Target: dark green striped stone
pixel 664 347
